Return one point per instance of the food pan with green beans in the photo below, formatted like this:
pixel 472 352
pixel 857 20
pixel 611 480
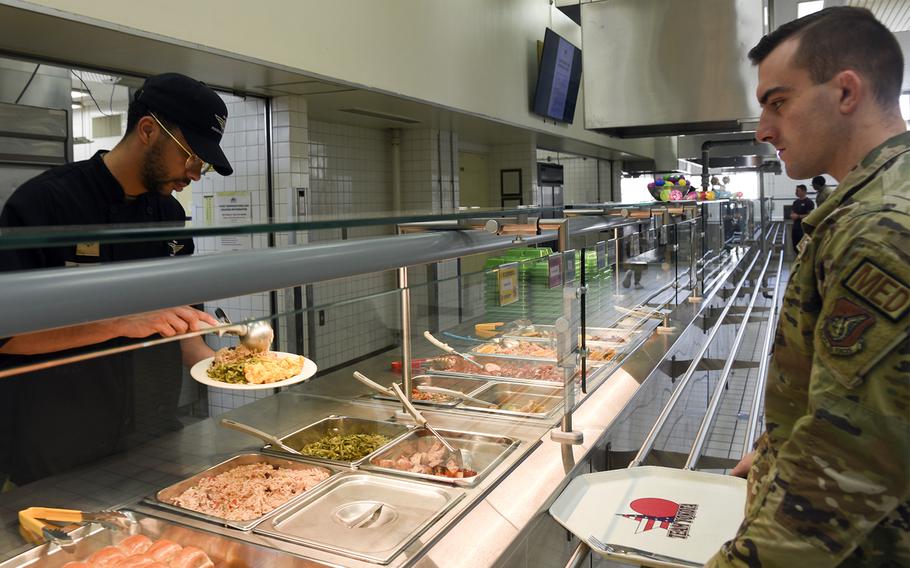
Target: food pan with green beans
pixel 342 439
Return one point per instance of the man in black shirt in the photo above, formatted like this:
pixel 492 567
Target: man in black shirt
pixel 802 205
pixel 174 127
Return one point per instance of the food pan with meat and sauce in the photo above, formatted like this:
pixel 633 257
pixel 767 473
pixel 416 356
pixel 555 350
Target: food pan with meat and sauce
pixel 420 455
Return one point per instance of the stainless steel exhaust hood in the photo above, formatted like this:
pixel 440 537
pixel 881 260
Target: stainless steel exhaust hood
pixel 664 67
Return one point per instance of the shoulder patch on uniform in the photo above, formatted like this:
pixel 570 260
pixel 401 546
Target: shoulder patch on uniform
pixel 880 289
pixel 845 326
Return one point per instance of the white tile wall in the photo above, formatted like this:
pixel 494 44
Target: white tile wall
pixel 429 170
pixel 344 170
pixel 244 145
pixel 350 173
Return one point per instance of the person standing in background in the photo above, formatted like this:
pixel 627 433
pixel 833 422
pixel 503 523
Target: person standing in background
pixel 822 191
pixel 802 205
pixel 828 482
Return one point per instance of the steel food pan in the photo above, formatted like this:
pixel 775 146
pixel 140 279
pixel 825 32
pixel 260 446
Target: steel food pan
pixel 484 451
pixel 454 382
pixel 364 516
pixel 511 369
pixel 224 552
pixel 530 401
pixel 609 335
pixel 591 346
pixel 165 498
pixel 339 425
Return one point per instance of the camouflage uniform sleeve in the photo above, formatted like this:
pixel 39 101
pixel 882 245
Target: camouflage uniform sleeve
pixel 844 468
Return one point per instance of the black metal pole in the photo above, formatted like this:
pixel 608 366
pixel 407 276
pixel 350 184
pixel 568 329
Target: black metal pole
pixel 584 356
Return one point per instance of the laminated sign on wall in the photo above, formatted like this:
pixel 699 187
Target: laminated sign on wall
pixel 234 207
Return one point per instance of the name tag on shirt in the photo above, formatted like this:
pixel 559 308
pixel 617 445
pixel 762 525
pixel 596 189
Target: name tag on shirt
pixel 88 249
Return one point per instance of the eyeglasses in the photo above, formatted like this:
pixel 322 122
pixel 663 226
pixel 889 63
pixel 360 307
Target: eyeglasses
pixel 192 160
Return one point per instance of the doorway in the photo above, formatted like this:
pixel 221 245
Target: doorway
pixel 474 180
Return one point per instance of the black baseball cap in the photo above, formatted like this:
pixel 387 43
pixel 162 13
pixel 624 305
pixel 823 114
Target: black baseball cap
pixel 818 181
pixel 195 108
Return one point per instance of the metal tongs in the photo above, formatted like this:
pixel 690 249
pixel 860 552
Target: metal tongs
pixel 264 436
pixel 34 527
pixel 256 336
pixel 449 349
pixel 374 385
pixel 456 454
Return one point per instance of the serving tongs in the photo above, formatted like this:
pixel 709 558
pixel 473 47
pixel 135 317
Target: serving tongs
pixel 256 433
pixel 374 385
pixel 449 349
pixel 457 455
pixel 456 394
pixel 35 529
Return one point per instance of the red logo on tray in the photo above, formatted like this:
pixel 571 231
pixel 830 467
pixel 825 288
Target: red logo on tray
pixel 653 512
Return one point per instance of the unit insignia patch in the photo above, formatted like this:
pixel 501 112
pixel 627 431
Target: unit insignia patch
pixel 845 326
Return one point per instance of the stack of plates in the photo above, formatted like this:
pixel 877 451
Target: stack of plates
pixel 526 258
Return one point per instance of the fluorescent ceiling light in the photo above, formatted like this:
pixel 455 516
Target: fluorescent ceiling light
pixel 810 7
pixel 77 94
pixel 77 105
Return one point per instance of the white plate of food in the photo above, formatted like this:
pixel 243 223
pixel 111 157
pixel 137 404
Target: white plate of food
pixel 241 369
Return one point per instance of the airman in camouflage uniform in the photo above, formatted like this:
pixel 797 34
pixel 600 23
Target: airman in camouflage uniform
pixel 830 479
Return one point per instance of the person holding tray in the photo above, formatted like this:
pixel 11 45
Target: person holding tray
pixel 828 484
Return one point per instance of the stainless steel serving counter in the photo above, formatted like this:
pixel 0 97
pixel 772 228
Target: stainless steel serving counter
pixel 483 527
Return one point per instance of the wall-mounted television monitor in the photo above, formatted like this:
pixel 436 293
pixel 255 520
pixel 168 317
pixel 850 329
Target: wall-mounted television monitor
pixel 557 79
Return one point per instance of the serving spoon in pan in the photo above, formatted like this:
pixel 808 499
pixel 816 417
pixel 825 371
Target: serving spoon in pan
pixel 264 436
pixel 449 349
